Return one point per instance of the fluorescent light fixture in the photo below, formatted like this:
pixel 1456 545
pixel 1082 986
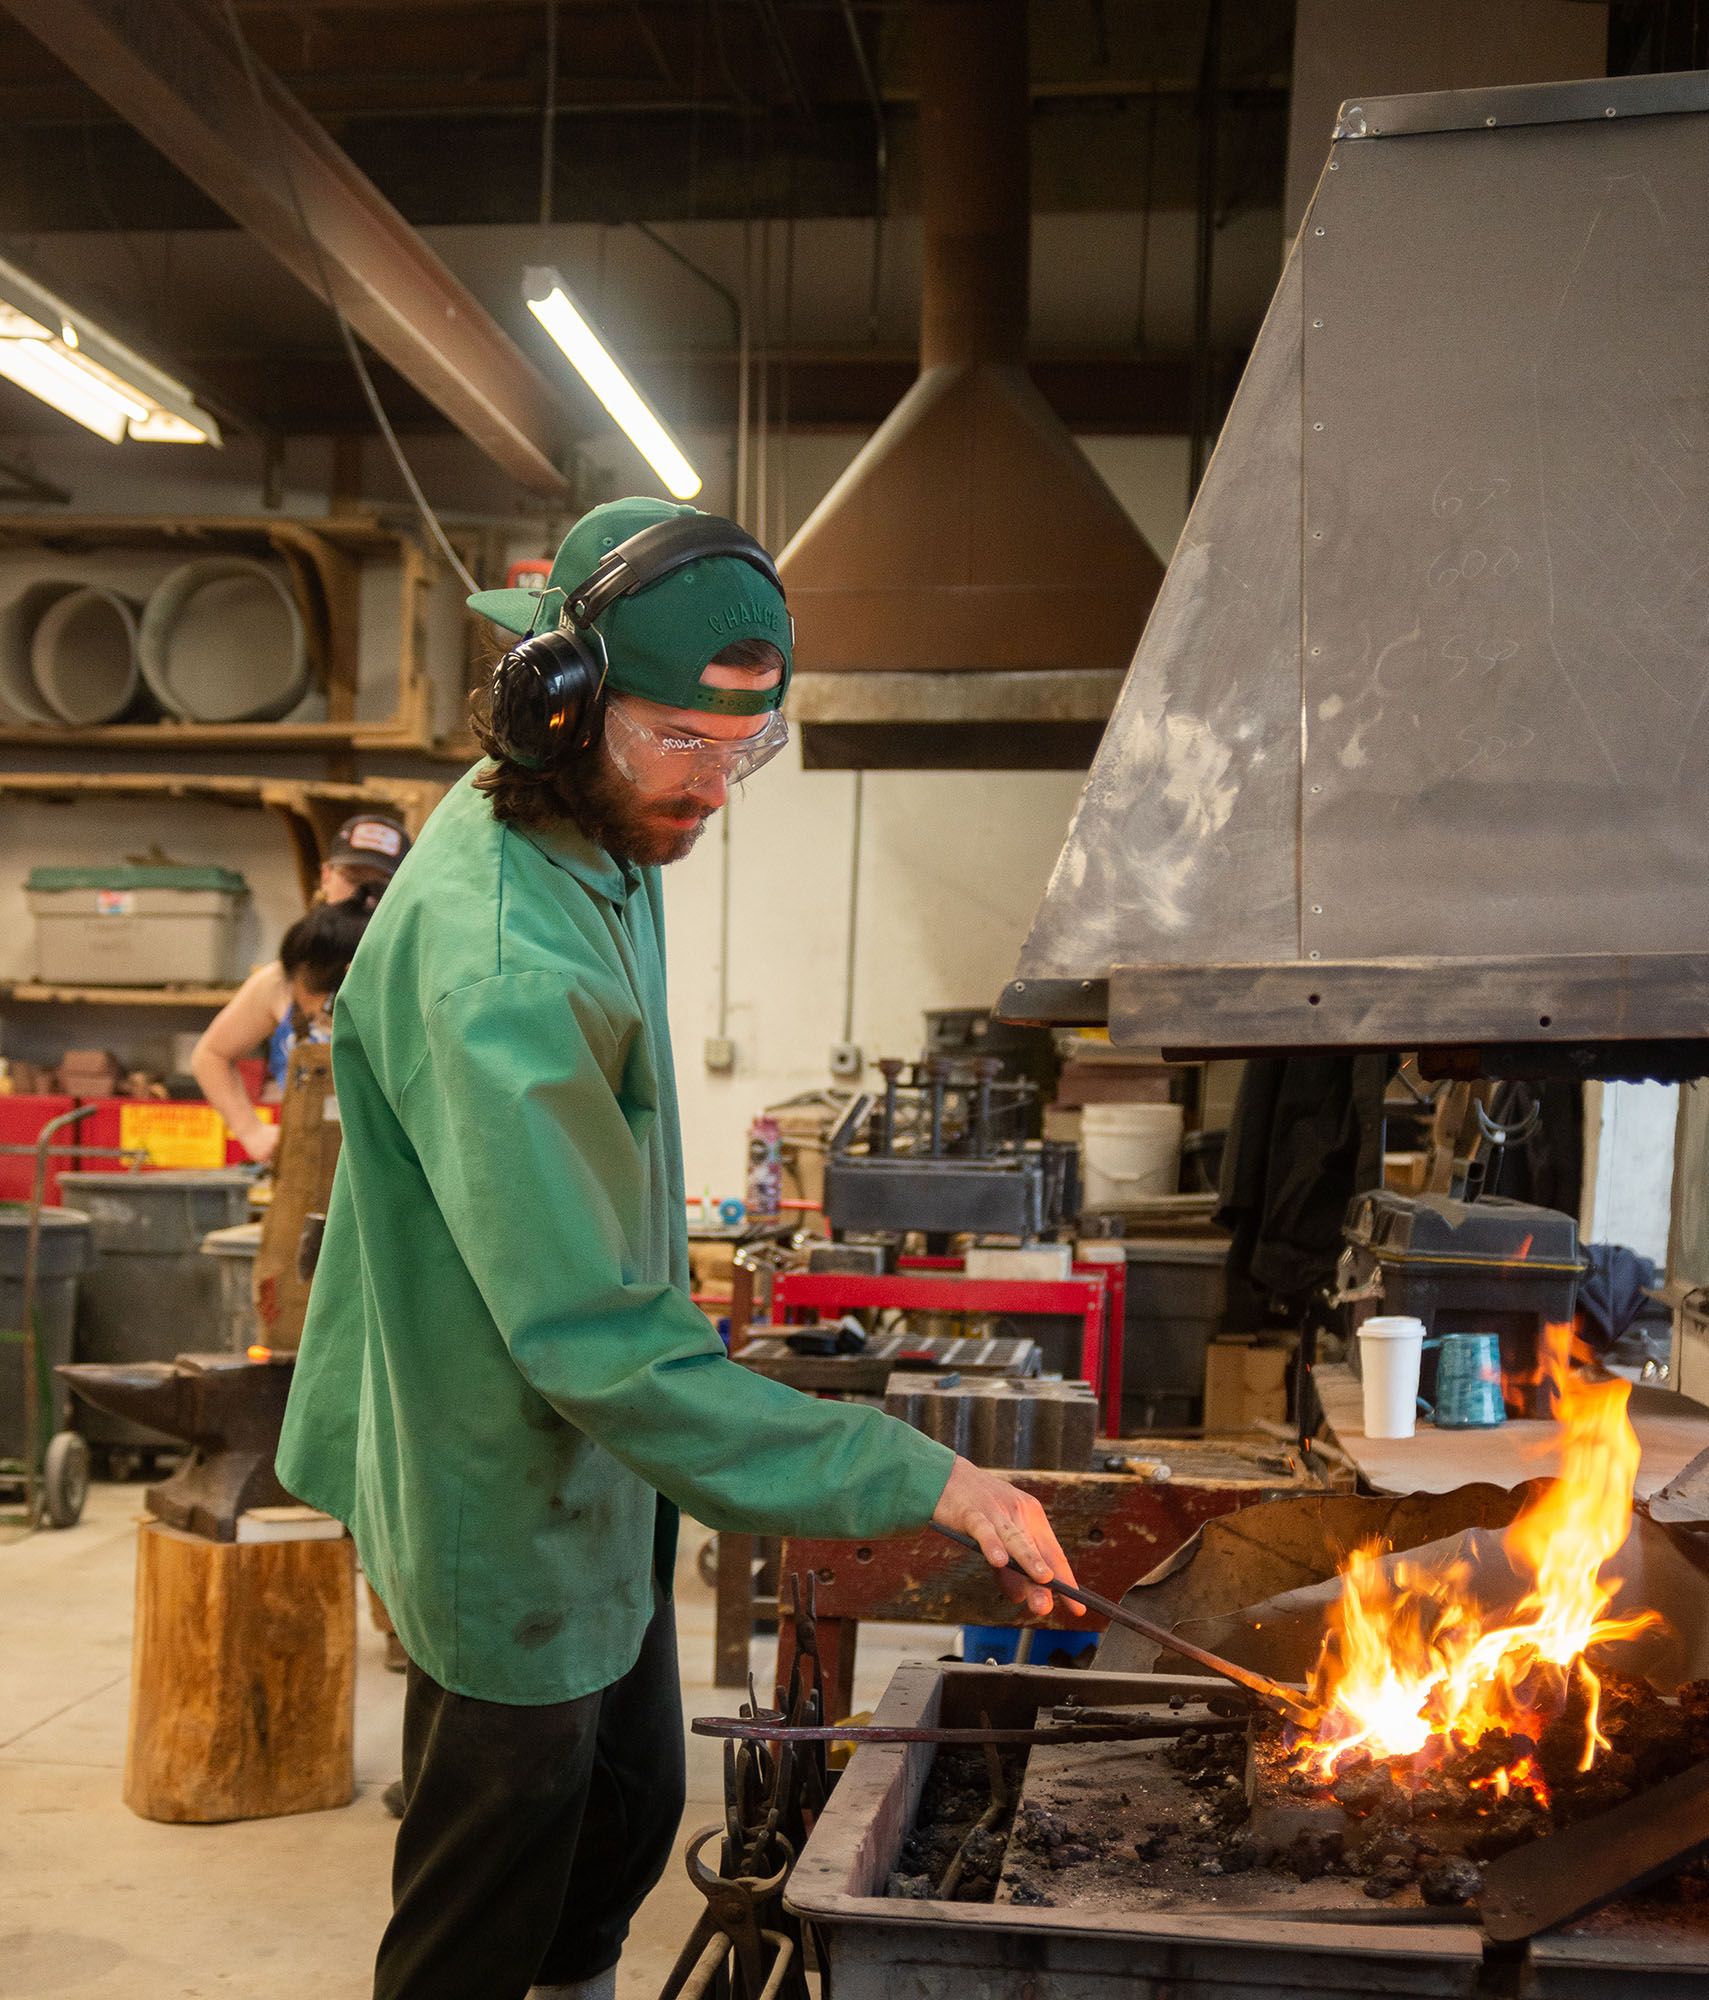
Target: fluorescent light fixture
pixel 58 354
pixel 551 304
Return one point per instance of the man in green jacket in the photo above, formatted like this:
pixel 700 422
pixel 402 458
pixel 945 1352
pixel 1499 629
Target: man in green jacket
pixel 503 1387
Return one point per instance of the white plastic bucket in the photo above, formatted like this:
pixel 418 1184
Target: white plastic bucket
pixel 83 656
pixel 1129 1153
pixel 1390 1349
pixel 222 641
pixel 20 698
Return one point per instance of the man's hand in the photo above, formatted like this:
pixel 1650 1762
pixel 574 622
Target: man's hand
pixel 1013 1534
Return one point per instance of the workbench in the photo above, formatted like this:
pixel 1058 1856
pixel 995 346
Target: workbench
pixel 1114 1528
pixel 1671 1428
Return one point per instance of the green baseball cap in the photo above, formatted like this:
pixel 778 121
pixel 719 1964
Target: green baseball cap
pixel 658 639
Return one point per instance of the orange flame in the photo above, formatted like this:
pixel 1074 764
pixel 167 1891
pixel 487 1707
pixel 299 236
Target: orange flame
pixel 1409 1659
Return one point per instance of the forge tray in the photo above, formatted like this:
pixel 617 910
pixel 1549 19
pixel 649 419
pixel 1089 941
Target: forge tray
pixel 1215 1939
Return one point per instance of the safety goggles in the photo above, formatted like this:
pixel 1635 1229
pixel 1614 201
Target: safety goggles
pixel 659 759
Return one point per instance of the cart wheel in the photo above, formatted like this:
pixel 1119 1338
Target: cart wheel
pixel 65 1479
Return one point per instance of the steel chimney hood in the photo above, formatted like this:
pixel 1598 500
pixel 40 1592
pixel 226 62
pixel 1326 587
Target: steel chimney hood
pixel 1414 751
pixel 970 591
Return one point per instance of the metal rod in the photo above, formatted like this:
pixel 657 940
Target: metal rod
pixel 890 1068
pixel 937 1078
pixel 761 1729
pixel 1283 1699
pixel 985 1069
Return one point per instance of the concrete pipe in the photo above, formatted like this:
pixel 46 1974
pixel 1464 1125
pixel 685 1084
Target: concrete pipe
pixel 20 698
pixel 83 657
pixel 222 641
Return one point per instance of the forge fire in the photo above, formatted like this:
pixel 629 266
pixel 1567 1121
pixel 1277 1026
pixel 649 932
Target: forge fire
pixel 1460 1715
pixel 1411 1669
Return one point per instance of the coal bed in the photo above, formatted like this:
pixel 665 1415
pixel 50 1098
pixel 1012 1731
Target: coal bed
pixel 1202 1862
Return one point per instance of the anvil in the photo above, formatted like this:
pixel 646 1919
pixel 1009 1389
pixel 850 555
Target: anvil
pixel 226 1407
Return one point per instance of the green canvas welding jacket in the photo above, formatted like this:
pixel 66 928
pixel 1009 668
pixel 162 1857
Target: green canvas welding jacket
pixel 503 1388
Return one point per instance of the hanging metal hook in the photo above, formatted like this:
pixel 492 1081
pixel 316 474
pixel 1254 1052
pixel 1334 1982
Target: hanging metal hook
pixel 1508 1135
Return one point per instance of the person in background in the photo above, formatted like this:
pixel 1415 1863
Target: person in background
pixel 364 857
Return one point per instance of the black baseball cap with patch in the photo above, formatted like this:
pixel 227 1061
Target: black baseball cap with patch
pixel 369 840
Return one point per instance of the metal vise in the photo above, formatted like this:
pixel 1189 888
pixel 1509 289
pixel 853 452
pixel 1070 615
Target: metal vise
pixel 226 1407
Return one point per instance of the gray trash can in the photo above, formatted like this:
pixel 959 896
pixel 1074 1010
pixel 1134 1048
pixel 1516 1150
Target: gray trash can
pixel 151 1295
pixel 233 1252
pixel 65 1255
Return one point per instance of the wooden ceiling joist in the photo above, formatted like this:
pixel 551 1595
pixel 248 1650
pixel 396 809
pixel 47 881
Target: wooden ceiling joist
pixel 173 71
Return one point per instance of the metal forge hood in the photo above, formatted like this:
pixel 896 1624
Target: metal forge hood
pixel 970 591
pixel 1414 749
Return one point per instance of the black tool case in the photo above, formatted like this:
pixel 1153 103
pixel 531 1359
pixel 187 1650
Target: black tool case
pixel 1489 1266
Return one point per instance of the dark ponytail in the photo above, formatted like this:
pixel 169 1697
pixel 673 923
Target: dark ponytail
pixel 318 947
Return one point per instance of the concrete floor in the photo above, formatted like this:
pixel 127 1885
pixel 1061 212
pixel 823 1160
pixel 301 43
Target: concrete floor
pixel 96 1903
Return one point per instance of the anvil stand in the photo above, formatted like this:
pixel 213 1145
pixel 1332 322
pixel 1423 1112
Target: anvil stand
pixel 243 1665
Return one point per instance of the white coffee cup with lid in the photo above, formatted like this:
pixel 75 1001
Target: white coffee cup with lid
pixel 1391 1346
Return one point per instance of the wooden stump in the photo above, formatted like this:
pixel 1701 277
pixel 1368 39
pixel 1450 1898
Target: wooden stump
pixel 243 1677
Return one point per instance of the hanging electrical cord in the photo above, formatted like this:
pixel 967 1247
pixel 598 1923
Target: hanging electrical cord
pixel 1139 337
pixel 549 117
pixel 880 166
pixel 854 906
pixel 358 361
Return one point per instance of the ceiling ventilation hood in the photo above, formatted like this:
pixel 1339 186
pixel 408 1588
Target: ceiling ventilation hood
pixel 1415 749
pixel 970 591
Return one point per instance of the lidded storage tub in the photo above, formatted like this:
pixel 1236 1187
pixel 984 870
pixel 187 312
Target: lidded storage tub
pixel 136 926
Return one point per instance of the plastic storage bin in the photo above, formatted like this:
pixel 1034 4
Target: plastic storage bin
pixel 1177 1293
pixel 150 926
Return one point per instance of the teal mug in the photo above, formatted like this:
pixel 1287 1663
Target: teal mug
pixel 1468 1383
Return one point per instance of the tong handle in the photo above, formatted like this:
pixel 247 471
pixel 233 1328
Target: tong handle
pixel 1273 1693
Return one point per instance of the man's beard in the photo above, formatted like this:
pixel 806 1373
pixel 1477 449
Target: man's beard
pixel 631 825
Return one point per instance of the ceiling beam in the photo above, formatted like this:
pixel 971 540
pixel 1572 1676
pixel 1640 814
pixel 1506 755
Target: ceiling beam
pixel 170 68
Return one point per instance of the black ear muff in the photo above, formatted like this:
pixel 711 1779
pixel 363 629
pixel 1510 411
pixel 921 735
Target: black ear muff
pixel 546 691
pixel 545 698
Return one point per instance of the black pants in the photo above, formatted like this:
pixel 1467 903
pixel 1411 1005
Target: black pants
pixel 530 1835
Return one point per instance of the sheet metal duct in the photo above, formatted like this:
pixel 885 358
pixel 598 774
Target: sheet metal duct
pixel 1414 749
pixel 970 591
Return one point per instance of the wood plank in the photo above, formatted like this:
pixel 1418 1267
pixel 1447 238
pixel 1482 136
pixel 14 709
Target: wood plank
pixel 243 1677
pixel 1672 1430
pixel 170 735
pixel 309 1140
pixel 207 998
pixel 1410 1002
pixel 412 799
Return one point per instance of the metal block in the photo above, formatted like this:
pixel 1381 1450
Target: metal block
pixel 896 1195
pixel 1001 1421
pixel 872 1260
pixel 1047 1261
